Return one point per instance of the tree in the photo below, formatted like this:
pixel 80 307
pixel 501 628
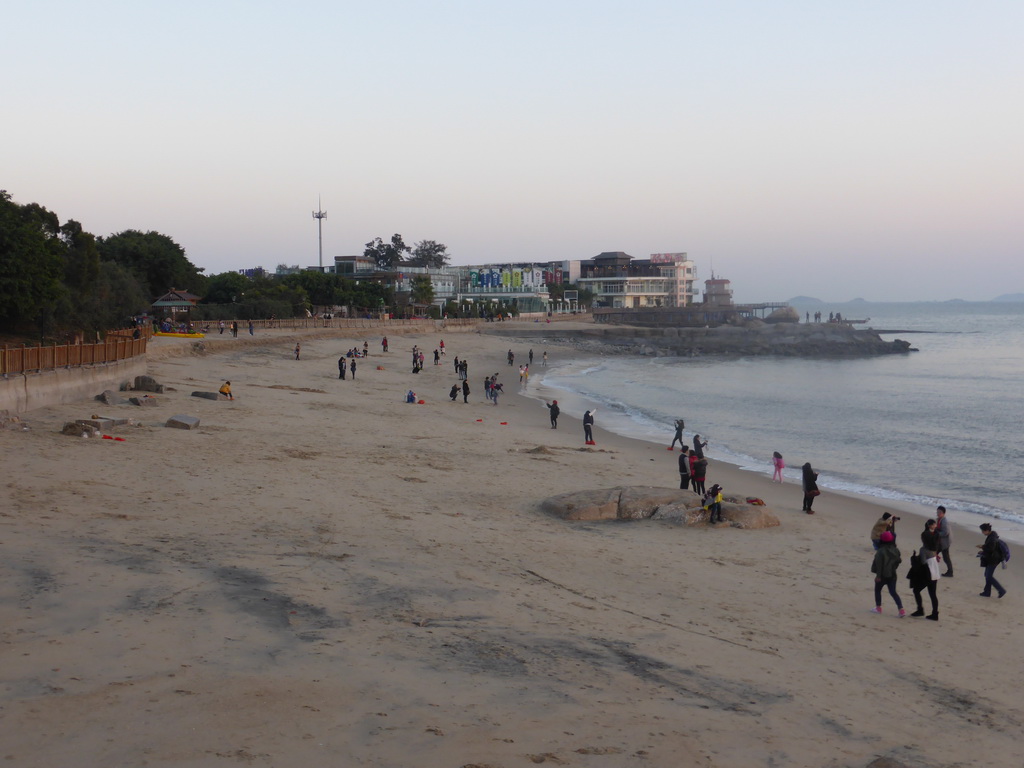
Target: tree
pixel 226 288
pixel 429 253
pixel 156 260
pixel 32 256
pixel 82 259
pixel 422 290
pixel 386 255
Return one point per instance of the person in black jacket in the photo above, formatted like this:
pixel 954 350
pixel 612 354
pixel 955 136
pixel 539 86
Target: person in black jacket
pixel 921 579
pixel 810 484
pixel 554 411
pixel 684 469
pixel 588 426
pixel 991 556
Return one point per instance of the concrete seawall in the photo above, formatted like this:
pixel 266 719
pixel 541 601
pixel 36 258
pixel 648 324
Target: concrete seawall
pixel 25 392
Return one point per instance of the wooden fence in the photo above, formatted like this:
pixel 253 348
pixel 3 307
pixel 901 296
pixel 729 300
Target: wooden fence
pixel 25 359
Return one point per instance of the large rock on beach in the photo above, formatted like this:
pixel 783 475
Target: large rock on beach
pixel 148 384
pixel 110 397
pixel 644 502
pixel 182 421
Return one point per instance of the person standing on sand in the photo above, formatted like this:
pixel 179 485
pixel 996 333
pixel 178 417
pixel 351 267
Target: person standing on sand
pixel 544 359
pixel 384 344
pixel 234 329
pixel 698 474
pixel 298 349
pixel 341 367
pixel 554 411
pixel 779 465
pixel 699 446
pixel 887 560
pixel 530 355
pixel 885 523
pixel 437 357
pixel 352 368
pixel 930 557
pixel 678 436
pixel 921 579
pixel 251 330
pixel 588 426
pixel 684 468
pixel 465 391
pixel 945 538
pixel 991 556
pixel 809 481
pixel 225 389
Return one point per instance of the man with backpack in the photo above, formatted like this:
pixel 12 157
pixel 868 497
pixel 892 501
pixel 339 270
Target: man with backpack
pixel 993 552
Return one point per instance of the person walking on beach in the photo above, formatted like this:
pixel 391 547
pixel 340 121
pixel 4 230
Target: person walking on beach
pixel 465 391
pixel 588 426
pixel 352 368
pixel 809 481
pixel 530 356
pixel 511 357
pixel 384 344
pixel 699 446
pixel 945 538
pixel 544 359
pixel 921 579
pixel 991 556
pixel 225 389
pixel 885 523
pixel 234 329
pixel 298 349
pixel 553 412
pixel 366 348
pixel 437 357
pixel 496 389
pixel 341 367
pixel 441 345
pixel 779 465
pixel 678 436
pixel 221 326
pixel 684 469
pixel 887 560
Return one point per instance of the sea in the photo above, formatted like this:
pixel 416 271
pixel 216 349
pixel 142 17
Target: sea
pixel 940 425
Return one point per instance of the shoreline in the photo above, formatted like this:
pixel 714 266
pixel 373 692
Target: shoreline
pixel 320 571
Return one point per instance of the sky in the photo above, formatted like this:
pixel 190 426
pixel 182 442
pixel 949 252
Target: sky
pixel 832 149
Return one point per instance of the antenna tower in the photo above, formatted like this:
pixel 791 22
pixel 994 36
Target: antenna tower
pixel 320 215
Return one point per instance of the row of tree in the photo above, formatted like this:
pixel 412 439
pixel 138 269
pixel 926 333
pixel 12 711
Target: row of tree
pixel 58 277
pixel 389 256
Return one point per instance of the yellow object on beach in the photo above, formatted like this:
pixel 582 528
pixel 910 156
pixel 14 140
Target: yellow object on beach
pixel 181 335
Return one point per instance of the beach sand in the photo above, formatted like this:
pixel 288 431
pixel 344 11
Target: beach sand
pixel 321 574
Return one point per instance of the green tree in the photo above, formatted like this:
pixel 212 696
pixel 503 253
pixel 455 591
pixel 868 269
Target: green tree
pixel 386 255
pixel 31 266
pixel 422 290
pixel 156 260
pixel 226 288
pixel 115 297
pixel 429 253
pixel 82 257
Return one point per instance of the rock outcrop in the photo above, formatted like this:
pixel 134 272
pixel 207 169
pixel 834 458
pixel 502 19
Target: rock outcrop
pixel 644 502
pixel 753 338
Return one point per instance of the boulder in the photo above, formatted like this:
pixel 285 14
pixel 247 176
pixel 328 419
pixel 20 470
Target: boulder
pixel 584 505
pixel 77 429
pixel 182 421
pixel 110 397
pixel 207 395
pixel 144 400
pixel 640 502
pixel 148 384
pixel 643 502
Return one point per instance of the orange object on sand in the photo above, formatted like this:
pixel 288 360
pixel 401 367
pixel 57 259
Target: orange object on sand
pixel 423 402
pixel 107 437
pixel 479 419
pixel 504 423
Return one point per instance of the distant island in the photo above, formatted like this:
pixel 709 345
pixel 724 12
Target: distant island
pixel 1010 297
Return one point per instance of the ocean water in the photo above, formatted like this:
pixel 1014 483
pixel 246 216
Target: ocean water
pixel 942 425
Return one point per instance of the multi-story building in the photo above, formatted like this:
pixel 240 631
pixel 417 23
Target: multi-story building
pixel 619 281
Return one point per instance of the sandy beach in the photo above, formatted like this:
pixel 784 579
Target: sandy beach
pixel 322 574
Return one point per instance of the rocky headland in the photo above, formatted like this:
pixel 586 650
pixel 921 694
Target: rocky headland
pixel 750 339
